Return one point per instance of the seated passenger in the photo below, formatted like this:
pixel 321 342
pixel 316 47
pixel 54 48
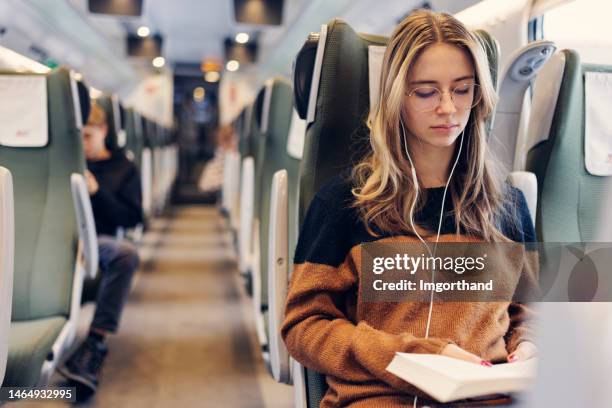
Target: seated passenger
pixel 114 187
pixel 211 179
pixel 428 178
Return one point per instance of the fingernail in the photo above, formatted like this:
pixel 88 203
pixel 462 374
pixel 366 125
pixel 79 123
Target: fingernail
pixel 485 363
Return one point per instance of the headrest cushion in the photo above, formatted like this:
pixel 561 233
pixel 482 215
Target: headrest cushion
pixel 23 111
pixel 303 67
pixel 597 140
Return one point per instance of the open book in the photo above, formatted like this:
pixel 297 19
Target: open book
pixel 449 379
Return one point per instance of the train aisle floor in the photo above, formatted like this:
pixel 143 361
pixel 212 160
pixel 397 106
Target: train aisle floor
pixel 187 336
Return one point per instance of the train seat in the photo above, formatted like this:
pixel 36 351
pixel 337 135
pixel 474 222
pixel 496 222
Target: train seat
pixel 47 164
pixel 7 258
pixel 570 151
pixel 276 112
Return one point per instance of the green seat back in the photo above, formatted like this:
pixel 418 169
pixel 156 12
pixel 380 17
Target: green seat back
pixel 571 201
pixel 45 225
pixel 244 143
pixel 112 137
pixel 274 141
pixel 134 135
pixel 491 47
pixel 258 149
pixel 338 136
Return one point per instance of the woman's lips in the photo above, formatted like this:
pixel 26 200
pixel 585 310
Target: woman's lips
pixel 449 126
pixel 444 128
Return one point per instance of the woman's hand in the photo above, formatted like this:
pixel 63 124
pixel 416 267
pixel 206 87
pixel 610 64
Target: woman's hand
pixel 454 351
pixel 524 351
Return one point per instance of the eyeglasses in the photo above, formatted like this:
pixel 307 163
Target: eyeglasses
pixel 428 98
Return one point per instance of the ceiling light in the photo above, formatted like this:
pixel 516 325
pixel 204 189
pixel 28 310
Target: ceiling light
pixel 143 31
pixel 159 62
pixel 198 94
pixel 232 65
pixel 242 38
pixel 212 76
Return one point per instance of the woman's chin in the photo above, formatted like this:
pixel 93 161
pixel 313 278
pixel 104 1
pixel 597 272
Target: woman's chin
pixel 441 141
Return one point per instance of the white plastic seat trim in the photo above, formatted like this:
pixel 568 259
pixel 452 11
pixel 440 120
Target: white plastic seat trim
pixel 227 182
pixel 234 204
pixel 523 65
pixel 85 224
pixel 297 134
pixel 278 273
pixel 316 75
pixel 255 269
pixel 299 385
pixel 7 258
pixel 245 232
pixel 375 61
pixel 147 182
pixel 76 101
pixel 265 111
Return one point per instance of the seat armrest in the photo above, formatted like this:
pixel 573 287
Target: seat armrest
pixel 528 184
pixel 247 199
pixel 86 224
pixel 300 399
pixel 278 273
pixel 147 181
pixel 7 256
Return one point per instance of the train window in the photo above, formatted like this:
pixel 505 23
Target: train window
pixel 584 26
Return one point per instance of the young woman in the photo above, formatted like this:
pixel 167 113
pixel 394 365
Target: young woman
pixel 429 157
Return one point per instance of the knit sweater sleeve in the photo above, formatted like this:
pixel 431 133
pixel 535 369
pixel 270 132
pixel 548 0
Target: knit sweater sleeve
pixel 317 331
pixel 522 315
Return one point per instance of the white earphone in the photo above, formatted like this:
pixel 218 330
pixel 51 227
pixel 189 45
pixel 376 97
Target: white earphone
pixel 432 254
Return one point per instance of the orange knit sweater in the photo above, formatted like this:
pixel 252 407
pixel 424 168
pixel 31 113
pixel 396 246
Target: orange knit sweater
pixel 330 329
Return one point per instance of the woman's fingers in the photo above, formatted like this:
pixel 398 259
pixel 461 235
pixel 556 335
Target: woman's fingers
pixel 454 351
pixel 524 351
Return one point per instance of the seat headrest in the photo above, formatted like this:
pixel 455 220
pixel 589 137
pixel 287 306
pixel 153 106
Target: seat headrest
pixel 268 90
pixel 303 66
pixel 492 49
pixel 23 110
pixel 597 140
pixel 546 89
pixel 110 107
pixel 257 112
pixel 338 106
pixel 84 100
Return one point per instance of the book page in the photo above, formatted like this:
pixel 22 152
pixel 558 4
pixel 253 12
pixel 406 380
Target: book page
pixel 459 370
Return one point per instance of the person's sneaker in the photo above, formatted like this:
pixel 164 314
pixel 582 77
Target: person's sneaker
pixel 85 365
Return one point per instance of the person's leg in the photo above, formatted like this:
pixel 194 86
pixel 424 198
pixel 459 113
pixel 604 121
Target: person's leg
pixel 118 261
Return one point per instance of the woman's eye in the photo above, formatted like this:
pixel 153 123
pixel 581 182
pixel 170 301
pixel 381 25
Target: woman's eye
pixel 463 90
pixel 425 94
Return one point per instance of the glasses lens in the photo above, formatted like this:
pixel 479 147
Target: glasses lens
pixel 466 96
pixel 424 98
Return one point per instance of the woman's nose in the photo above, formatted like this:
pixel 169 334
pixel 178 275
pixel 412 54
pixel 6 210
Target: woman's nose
pixel 447 106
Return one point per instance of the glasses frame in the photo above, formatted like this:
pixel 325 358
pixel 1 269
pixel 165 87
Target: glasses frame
pixel 475 101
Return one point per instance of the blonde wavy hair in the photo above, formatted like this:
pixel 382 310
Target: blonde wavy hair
pixel 383 187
